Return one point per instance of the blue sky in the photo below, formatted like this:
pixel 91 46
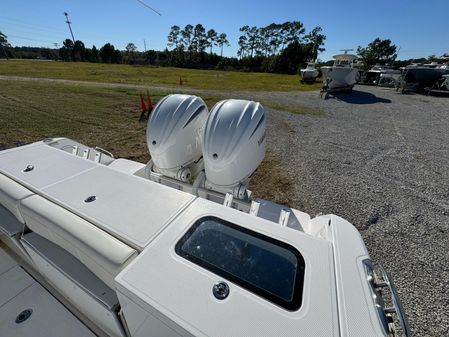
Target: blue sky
pixel 419 28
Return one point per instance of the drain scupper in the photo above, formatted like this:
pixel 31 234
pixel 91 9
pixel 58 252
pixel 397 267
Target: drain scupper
pixel 24 315
pixel 92 198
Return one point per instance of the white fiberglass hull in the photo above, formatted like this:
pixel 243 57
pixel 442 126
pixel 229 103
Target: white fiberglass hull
pixel 118 272
pixel 339 77
pixel 308 75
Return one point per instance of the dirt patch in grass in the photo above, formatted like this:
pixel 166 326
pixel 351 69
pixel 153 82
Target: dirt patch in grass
pixel 271 181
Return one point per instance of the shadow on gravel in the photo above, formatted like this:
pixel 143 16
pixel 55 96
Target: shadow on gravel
pixel 357 97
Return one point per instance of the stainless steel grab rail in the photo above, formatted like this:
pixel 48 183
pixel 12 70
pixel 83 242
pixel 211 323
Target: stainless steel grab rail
pixel 386 281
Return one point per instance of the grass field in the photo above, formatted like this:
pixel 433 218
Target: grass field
pixel 155 76
pixel 105 117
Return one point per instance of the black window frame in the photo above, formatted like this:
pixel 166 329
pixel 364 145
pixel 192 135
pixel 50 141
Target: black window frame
pixel 293 305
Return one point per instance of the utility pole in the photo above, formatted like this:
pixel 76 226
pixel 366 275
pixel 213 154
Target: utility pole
pixel 68 22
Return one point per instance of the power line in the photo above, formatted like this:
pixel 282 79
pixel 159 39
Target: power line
pixel 17 25
pixel 144 4
pixel 14 30
pixel 32 26
pixel 31 30
pixel 27 38
pixel 27 23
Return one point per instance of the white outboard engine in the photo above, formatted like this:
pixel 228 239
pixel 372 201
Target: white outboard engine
pixel 174 136
pixel 233 145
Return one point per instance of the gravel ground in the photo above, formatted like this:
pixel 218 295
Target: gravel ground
pixel 379 159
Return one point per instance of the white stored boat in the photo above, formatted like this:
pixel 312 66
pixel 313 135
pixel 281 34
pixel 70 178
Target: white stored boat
pixel 389 78
pixel 309 73
pixel 420 76
pixel 177 247
pixel 342 75
pixel 381 75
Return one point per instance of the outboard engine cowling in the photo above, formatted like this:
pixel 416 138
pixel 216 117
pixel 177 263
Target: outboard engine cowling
pixel 174 135
pixel 233 145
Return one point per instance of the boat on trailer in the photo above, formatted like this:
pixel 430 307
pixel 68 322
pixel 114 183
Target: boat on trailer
pixel 439 87
pixel 94 245
pixel 418 77
pixel 309 73
pixel 341 75
pixel 380 75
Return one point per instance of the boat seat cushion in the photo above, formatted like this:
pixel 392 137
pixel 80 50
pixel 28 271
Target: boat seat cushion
pixel 10 195
pixel 102 253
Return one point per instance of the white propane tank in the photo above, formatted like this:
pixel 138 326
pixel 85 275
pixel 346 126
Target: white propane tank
pixel 233 145
pixel 174 135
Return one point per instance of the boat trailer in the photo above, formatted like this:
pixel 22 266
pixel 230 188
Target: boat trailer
pixel 439 87
pixel 327 90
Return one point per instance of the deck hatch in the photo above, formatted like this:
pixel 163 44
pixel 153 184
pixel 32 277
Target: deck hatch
pixel 264 266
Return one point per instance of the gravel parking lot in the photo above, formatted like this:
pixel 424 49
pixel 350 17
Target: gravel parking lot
pixel 380 160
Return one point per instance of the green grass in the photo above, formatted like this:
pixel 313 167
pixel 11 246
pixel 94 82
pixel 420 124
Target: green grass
pixel 155 76
pixel 106 117
pixel 211 100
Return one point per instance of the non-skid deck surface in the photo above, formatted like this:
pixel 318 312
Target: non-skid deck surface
pixel 19 292
pixel 130 208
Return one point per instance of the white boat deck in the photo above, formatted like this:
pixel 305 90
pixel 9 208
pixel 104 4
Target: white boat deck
pixel 89 249
pixel 20 292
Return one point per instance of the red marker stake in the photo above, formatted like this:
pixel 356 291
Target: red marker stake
pixel 143 107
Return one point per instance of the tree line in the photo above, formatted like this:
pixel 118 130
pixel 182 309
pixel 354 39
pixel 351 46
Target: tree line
pixel 277 47
pixel 77 52
pixel 196 39
pixel 281 48
pixel 274 48
pixel 193 46
pixel 4 45
pixel 274 38
pixel 382 52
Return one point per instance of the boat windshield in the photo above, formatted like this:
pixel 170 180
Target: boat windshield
pixel 342 63
pixel 344 60
pixel 267 267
